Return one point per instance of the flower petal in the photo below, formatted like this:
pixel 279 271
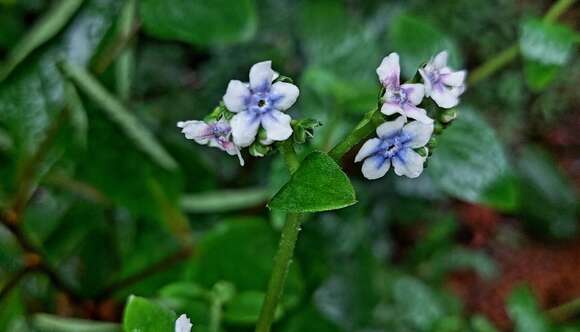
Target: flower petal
pixel 419 133
pixel 391 128
pixel 195 130
pixel 245 127
pixel 261 76
pixel 445 97
pixel 284 95
pixel 417 113
pixel 236 97
pixel 440 60
pixel 391 108
pixel 456 78
pixel 426 81
pixel 277 125
pixel 415 92
pixel 375 167
pixel 370 147
pixel 183 324
pixel 389 71
pixel 408 163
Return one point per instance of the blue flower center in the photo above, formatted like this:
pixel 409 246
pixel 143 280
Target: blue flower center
pixel 260 102
pixel 393 145
pixel 398 96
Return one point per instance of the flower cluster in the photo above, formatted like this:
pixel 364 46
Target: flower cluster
pixel 403 142
pixel 250 110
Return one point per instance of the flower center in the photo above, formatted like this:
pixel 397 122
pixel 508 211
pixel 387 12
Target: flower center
pixel 393 146
pixel 398 96
pixel 261 103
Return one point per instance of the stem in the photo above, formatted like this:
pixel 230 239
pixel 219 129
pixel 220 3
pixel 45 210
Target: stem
pixel 280 270
pixel 369 123
pixel 557 10
pixel 285 252
pixel 489 67
pixel 565 311
pixel 494 64
pixel 215 315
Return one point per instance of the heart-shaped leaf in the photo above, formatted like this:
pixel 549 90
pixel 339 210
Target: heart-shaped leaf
pixel 318 185
pixel 142 315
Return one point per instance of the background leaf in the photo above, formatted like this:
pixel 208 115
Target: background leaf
pixel 142 315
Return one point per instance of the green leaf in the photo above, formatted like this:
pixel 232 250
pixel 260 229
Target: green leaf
pixel 142 315
pixel 545 42
pixel 119 114
pixel 481 324
pixel 200 22
pixel 550 201
pixel 416 40
pixel 539 75
pixel 240 251
pixel 44 30
pixel 245 307
pixel 469 158
pixel 524 311
pixel 50 323
pixel 224 200
pixel 318 185
pixel 416 303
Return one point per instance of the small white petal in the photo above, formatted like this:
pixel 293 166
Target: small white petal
pixel 195 130
pixel 261 76
pixel 389 71
pixel 391 108
pixel 284 95
pixel 183 324
pixel 408 163
pixel 454 78
pixel 415 92
pixel 244 128
pixel 369 148
pixel 419 132
pixel 426 81
pixel 440 60
pixel 444 97
pixel 375 167
pixel 417 113
pixel 236 97
pixel 391 128
pixel 277 125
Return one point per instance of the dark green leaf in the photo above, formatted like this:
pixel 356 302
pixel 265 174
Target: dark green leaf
pixel 546 43
pixel 318 185
pixel 469 158
pixel 245 308
pixel 142 315
pixel 200 22
pixel 539 75
pixel 550 200
pixel 416 40
pixel 44 30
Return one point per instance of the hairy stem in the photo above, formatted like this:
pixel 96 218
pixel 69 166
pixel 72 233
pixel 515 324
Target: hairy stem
pixel 565 311
pixel 285 252
pixel 369 123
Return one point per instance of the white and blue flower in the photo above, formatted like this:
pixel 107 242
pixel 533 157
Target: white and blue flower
pixel 183 324
pixel 216 134
pixel 395 145
pixel 443 84
pixel 260 104
pixel 400 98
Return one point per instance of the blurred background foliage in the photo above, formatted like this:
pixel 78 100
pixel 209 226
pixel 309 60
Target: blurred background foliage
pixel 103 198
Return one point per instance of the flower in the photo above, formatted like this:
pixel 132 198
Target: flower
pixel 260 103
pixel 216 134
pixel 183 324
pixel 400 98
pixel 395 143
pixel 443 84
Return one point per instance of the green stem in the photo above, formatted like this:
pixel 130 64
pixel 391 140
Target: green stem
pixel 494 64
pixel 215 316
pixel 284 255
pixel 505 57
pixel 125 63
pixel 368 124
pixel 557 10
pixel 280 270
pixel 565 311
